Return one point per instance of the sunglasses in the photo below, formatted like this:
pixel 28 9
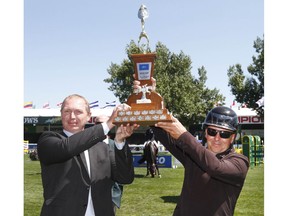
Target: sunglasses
pixel 223 134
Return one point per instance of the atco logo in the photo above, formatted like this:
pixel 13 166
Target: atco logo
pixel 250 120
pixel 161 160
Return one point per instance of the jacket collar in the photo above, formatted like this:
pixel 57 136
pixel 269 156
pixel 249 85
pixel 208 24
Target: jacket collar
pixel 226 152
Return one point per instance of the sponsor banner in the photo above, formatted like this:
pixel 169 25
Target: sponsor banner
pixel 57 120
pixel 42 120
pixel 163 161
pixel 92 120
pixel 250 120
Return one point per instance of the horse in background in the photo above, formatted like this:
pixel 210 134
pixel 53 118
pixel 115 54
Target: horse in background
pixel 150 153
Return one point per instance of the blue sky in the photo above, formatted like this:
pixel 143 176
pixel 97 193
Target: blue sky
pixel 69 45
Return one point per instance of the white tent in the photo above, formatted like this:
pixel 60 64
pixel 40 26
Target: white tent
pixel 56 112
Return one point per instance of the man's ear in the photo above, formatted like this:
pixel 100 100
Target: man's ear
pixel 89 116
pixel 233 138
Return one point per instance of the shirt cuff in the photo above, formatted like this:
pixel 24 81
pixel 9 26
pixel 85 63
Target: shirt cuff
pixel 119 145
pixel 105 128
pixel 106 131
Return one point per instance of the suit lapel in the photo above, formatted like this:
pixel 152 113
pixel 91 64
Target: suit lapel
pixel 93 161
pixel 81 163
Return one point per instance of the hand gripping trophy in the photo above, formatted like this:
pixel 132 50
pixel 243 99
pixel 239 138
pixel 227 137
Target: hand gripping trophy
pixel 147 106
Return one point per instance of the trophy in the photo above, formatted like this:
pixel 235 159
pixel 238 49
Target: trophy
pixel 147 106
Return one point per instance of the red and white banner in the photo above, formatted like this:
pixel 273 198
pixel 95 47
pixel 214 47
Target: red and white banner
pixel 46 106
pixel 250 120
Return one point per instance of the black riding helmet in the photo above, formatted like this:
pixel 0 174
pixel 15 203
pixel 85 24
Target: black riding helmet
pixel 222 117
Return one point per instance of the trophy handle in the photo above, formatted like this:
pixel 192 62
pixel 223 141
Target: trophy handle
pixel 144 35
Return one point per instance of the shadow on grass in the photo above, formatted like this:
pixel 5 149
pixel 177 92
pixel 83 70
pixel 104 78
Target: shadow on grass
pixel 170 199
pixel 139 176
pixel 38 173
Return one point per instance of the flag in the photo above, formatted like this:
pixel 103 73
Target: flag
pixel 260 102
pixel 28 104
pixel 46 106
pixel 111 104
pixel 59 104
pixel 94 104
pixel 233 104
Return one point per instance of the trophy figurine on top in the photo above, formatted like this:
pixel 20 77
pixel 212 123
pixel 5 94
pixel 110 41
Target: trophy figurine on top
pixel 147 106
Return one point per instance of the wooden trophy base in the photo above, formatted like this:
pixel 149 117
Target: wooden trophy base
pixel 147 106
pixel 142 117
pixel 145 112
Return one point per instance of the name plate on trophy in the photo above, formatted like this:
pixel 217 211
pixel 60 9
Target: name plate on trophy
pixel 144 70
pixel 147 106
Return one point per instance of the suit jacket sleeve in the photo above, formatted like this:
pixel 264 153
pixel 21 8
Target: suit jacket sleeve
pixel 55 147
pixel 122 164
pixel 231 169
pixel 169 143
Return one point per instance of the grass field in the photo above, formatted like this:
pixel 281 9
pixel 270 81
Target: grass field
pixel 150 196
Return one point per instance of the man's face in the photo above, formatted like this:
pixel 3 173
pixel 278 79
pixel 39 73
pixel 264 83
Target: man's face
pixel 215 142
pixel 74 115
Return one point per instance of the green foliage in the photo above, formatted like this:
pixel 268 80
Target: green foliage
pixel 150 196
pixel 185 96
pixel 250 89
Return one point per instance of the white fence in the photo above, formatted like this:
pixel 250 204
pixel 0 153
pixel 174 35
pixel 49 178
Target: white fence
pixel 138 149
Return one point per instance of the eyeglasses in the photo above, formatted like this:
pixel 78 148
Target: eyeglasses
pixel 223 134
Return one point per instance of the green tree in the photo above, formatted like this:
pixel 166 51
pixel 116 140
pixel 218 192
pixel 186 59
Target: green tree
pixel 249 89
pixel 185 96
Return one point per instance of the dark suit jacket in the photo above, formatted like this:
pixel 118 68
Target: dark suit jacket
pixel 65 177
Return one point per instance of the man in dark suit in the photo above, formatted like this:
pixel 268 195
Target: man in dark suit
pixel 77 167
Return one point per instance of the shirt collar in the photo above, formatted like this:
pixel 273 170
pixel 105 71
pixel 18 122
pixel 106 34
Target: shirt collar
pixel 226 152
pixel 67 133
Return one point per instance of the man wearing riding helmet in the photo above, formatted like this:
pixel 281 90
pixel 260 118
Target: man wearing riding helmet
pixel 215 174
